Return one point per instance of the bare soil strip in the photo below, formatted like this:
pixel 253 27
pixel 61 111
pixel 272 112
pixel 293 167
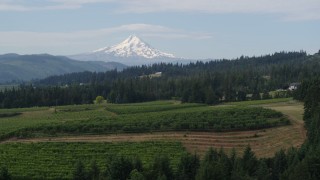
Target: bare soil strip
pixel 263 142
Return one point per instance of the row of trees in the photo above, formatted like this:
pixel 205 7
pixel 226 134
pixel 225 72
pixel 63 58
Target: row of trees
pixel 215 165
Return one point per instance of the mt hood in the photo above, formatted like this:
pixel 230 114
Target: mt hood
pixel 132 51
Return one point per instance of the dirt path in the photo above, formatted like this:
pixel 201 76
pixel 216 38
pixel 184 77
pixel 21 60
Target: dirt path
pixel 264 142
pixel 294 111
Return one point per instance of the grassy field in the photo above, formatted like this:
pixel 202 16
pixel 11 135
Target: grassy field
pixel 34 117
pixel 46 142
pixel 259 102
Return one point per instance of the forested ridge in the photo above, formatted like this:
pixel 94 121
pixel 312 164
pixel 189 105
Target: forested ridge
pixel 201 82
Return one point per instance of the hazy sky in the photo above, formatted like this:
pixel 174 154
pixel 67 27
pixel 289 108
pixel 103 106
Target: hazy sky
pixel 185 28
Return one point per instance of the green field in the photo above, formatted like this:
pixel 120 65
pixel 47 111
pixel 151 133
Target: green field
pixel 258 102
pixel 57 160
pixel 140 117
pixel 157 106
pixel 34 117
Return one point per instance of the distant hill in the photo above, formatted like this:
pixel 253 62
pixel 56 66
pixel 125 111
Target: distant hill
pixel 279 69
pixel 14 67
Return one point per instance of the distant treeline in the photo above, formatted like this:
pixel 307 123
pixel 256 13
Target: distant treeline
pixel 201 82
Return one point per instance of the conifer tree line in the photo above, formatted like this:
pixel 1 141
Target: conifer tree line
pixel 202 82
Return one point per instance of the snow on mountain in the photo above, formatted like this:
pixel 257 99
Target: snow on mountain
pixel 132 51
pixel 133 46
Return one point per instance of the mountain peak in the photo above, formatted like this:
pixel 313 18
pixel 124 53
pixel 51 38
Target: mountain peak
pixel 133 39
pixel 133 46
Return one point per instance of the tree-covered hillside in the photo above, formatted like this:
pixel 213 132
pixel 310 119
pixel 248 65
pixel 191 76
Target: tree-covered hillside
pixel 14 67
pixel 202 82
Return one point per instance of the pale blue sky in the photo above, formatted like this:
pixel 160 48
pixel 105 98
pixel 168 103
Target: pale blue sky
pixel 185 28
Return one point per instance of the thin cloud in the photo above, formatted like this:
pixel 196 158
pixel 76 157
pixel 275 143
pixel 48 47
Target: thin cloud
pixel 85 38
pixel 185 35
pixel 287 9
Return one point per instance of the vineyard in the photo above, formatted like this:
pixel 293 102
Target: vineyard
pixel 40 143
pixel 157 106
pixel 137 118
pixel 57 160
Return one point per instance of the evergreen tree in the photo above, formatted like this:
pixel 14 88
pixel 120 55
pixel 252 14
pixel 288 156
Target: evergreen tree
pixel 249 161
pixel 263 171
pixel 266 95
pixel 79 172
pixel 279 165
pixel 256 95
pixel 137 164
pixel 213 166
pixel 161 168
pixel 238 172
pixel 94 171
pixel 4 174
pixel 119 168
pixel 136 175
pixel 188 166
pixel 241 96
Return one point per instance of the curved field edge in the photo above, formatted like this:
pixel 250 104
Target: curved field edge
pixel 56 160
pixel 80 120
pixel 264 142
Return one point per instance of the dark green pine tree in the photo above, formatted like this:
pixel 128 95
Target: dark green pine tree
pixel 79 172
pixel 238 172
pixel 279 164
pixel 300 171
pixel 249 161
pixel 263 171
pixel 188 167
pixel 136 175
pixel 119 168
pixel 4 174
pixel 241 96
pixel 212 167
pixel 137 164
pixel 256 95
pixel 94 172
pixel 161 168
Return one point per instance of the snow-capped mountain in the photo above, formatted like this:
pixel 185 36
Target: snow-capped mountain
pixel 133 46
pixel 132 51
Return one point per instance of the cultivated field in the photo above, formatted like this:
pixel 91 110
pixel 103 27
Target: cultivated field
pixel 51 160
pixel 162 126
pixel 163 116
